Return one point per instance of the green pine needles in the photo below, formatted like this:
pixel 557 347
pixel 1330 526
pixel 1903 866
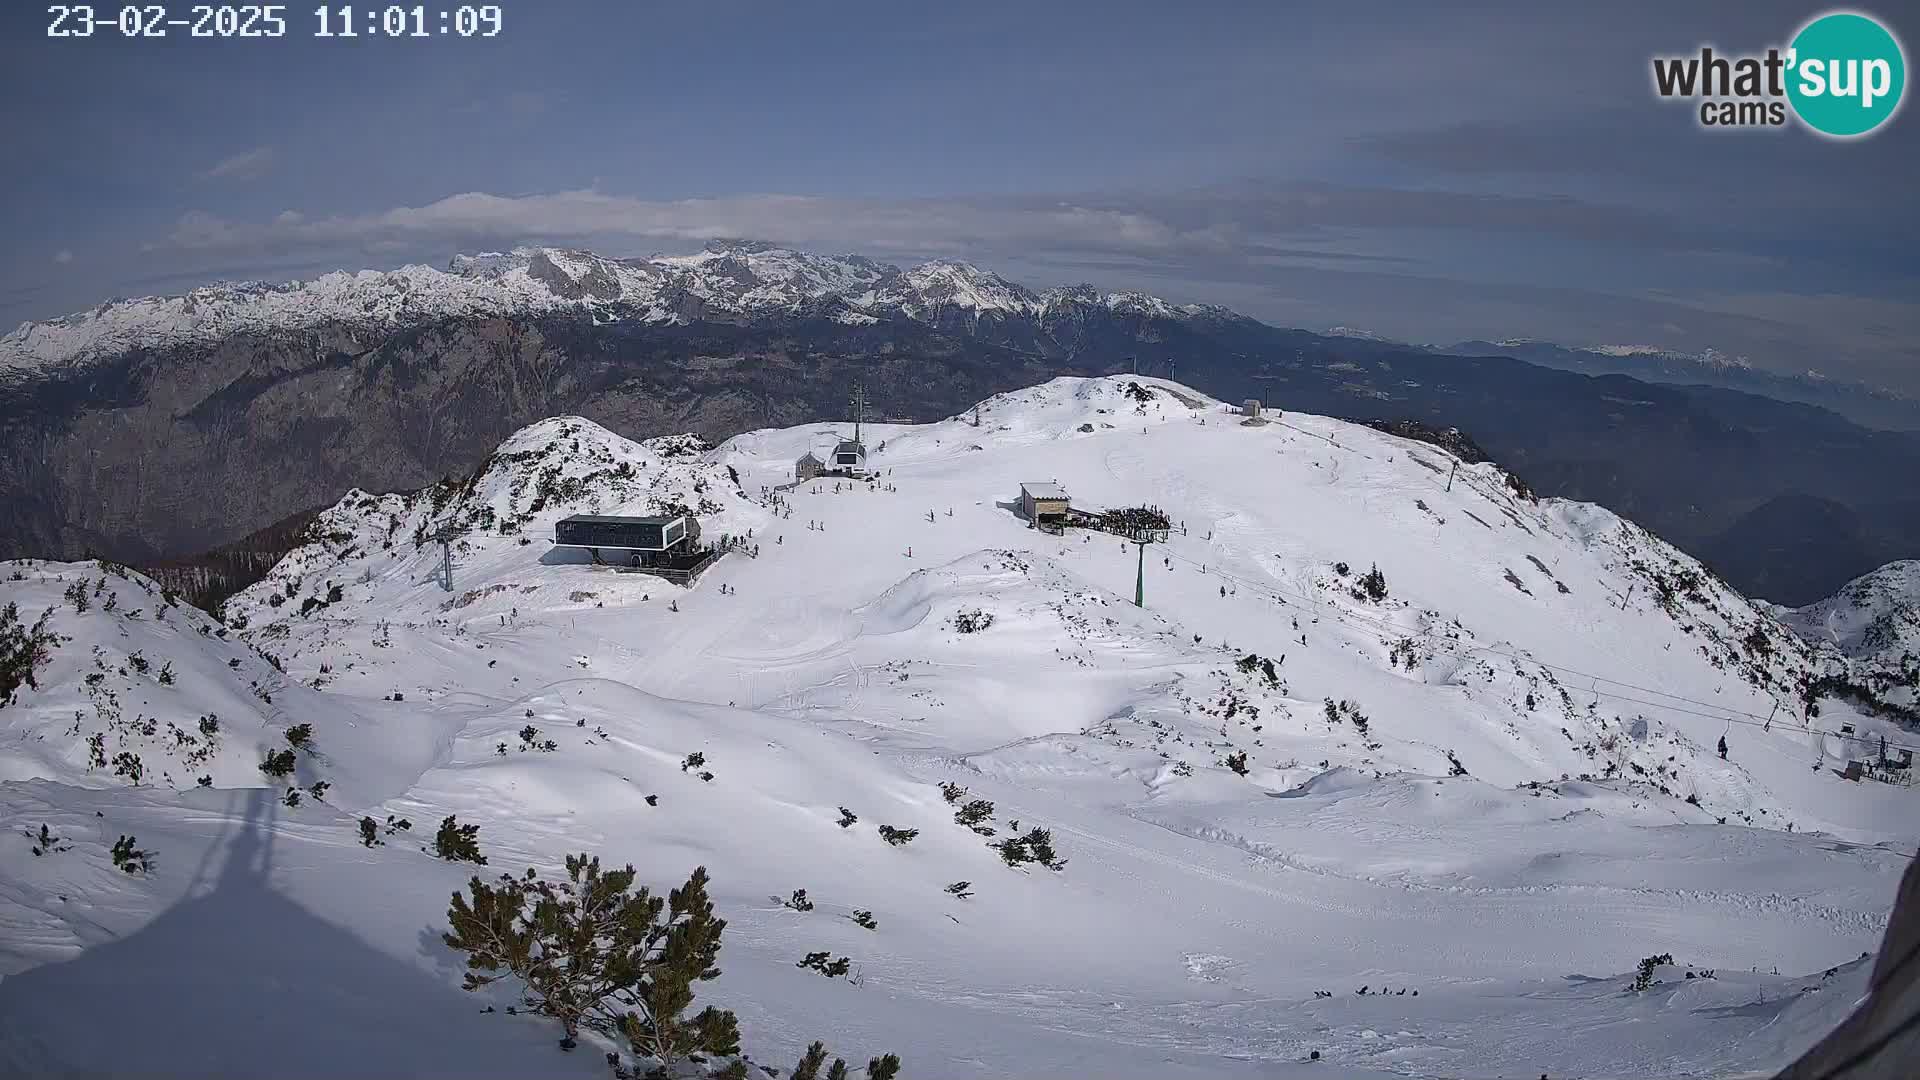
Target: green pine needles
pixel 594 951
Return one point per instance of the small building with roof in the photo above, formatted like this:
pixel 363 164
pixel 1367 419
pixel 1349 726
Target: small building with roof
pixel 808 467
pixel 850 457
pixel 636 541
pixel 1044 502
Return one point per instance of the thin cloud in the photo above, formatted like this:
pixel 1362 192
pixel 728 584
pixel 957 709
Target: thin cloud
pixel 63 257
pixel 246 165
pixel 1238 224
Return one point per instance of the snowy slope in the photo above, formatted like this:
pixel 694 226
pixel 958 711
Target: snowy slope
pixel 1267 782
pixel 1875 615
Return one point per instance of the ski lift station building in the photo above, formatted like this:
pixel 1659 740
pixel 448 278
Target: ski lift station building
pixel 850 457
pixel 625 539
pixel 1040 500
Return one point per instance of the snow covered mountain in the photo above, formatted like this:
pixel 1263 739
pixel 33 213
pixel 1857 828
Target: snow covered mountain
pixel 1877 615
pixel 730 279
pixel 1373 735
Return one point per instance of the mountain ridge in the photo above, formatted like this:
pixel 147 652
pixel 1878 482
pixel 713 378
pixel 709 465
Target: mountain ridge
pixel 735 279
pixel 255 401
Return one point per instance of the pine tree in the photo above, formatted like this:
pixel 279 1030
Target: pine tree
pixel 591 951
pixel 458 843
pixel 860 916
pixel 897 837
pixel 279 764
pixel 370 833
pixel 810 1062
pixel 973 815
pixel 299 736
pixel 847 818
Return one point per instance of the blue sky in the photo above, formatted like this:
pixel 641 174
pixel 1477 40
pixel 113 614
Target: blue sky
pixel 1435 172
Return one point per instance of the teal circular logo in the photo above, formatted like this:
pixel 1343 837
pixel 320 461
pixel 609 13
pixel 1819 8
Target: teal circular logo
pixel 1846 74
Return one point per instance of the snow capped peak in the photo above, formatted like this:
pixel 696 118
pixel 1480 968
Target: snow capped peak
pixel 1712 358
pixel 926 289
pixel 1366 335
pixel 728 278
pixel 1874 616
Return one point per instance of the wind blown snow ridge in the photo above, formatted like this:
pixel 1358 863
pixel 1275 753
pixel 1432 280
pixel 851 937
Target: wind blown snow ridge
pixel 1412 777
pixel 729 280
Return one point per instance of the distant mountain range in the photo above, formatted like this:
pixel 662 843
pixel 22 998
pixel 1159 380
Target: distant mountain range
pixel 1870 406
pixel 158 428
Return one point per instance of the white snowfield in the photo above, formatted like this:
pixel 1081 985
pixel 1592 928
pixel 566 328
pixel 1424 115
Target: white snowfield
pixel 1482 795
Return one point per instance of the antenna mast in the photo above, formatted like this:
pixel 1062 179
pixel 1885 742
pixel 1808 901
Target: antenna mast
pixel 859 409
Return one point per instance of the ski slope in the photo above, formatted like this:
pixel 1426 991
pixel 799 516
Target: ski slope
pixel 1495 788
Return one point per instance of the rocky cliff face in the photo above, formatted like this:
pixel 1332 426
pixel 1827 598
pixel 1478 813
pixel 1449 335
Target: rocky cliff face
pixel 189 446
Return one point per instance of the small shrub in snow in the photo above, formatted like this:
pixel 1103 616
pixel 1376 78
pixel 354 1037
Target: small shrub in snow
pixel 897 837
pixel 1253 662
pixel 1035 846
pixel 166 673
pixel 370 833
pixel 455 842
pixel 47 842
pixel 847 818
pixel 300 736
pixel 139 663
pixel 961 889
pixel 129 858
pixel 292 798
pixel 860 916
pixel 1643 980
pixel 694 760
pixel 319 789
pixel 278 765
pixel 974 816
pixel 592 952
pixel 129 765
pixel 23 650
pixel 1237 761
pixel 530 740
pixel 952 792
pixel 816 1056
pixel 818 961
pixel 798 901
pixel 1372 586
pixel 972 622
pixel 1454 768
pixel 209 725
